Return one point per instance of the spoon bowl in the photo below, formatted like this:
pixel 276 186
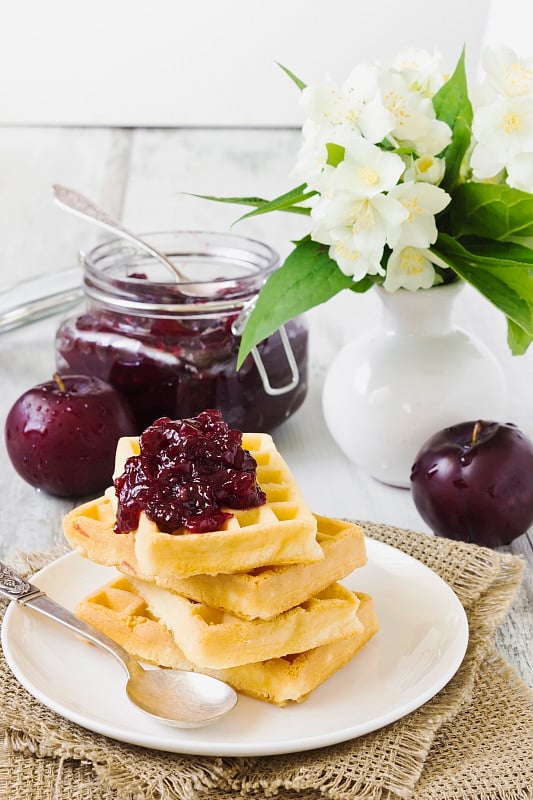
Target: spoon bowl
pixel 165 694
pixel 178 698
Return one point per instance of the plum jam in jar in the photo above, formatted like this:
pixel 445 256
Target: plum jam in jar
pixel 170 346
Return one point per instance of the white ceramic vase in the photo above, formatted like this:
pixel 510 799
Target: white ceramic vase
pixel 388 391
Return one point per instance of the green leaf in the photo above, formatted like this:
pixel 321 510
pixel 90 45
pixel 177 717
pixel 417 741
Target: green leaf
pixel 452 105
pixel 507 284
pixel 366 283
pixel 307 278
pixel 243 201
pixel 509 254
pixel 336 153
pixel 494 211
pixel 517 338
pixel 285 202
pixel 257 202
pixel 299 83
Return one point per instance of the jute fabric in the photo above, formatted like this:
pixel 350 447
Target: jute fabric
pixel 472 741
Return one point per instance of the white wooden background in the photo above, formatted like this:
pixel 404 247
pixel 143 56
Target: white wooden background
pixel 213 62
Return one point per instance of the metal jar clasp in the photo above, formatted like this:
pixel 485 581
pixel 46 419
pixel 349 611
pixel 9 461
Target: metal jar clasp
pixel 237 329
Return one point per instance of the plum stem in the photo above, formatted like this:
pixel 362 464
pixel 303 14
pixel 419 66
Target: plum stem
pixel 476 430
pixel 59 380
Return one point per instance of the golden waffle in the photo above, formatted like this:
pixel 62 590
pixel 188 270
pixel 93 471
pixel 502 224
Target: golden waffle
pixel 213 638
pixel 282 531
pixel 117 610
pixel 263 592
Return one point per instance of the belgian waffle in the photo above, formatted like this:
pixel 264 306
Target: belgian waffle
pixel 216 639
pixel 263 592
pixel 117 610
pixel 282 531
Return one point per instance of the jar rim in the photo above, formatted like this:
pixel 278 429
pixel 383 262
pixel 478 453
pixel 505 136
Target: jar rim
pixel 250 260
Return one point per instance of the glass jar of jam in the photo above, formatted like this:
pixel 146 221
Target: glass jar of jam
pixel 171 346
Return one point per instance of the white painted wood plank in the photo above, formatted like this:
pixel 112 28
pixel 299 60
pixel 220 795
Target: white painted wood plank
pixel 37 236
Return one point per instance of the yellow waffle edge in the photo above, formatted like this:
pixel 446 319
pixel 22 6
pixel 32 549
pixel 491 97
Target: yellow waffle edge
pixel 117 610
pixel 212 638
pixel 262 593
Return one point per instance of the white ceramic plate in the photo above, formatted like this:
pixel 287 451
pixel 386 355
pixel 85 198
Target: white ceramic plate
pixel 420 645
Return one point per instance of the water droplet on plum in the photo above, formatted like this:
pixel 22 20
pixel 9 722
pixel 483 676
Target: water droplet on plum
pixel 460 483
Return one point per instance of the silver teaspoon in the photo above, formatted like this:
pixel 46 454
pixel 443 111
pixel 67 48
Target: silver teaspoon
pixel 77 203
pixel 178 698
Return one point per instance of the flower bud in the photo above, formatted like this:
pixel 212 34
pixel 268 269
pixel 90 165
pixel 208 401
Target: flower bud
pixel 428 169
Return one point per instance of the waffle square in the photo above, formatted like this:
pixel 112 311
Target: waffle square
pixel 282 531
pixel 216 639
pixel 117 610
pixel 263 592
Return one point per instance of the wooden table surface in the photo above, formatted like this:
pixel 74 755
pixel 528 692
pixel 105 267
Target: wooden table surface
pixel 142 176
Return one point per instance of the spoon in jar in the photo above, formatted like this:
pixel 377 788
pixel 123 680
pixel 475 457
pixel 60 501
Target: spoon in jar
pixel 78 204
pixel 175 697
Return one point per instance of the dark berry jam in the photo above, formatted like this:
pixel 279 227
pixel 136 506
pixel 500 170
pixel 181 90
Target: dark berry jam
pixel 187 471
pixel 169 345
pixel 177 367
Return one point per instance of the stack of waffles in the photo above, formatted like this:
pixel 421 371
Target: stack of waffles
pixel 257 604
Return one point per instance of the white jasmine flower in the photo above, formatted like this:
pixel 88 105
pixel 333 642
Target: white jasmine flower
pixel 422 70
pixel 367 170
pixel 357 230
pixel 366 108
pixel 355 216
pixel 416 122
pixel 428 169
pixel 502 130
pixel 356 105
pixel 435 139
pixel 410 268
pixel 353 261
pixel 507 74
pixel 421 201
pixel 312 165
pixel 520 172
pixel 356 235
pixel 336 115
pixel 369 223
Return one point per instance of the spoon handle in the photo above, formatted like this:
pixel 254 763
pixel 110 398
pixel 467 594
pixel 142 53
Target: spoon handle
pixel 14 587
pixel 76 202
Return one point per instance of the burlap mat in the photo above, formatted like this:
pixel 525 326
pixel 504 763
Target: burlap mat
pixel 472 741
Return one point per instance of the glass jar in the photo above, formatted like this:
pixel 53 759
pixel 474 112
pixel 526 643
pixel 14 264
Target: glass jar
pixel 171 347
